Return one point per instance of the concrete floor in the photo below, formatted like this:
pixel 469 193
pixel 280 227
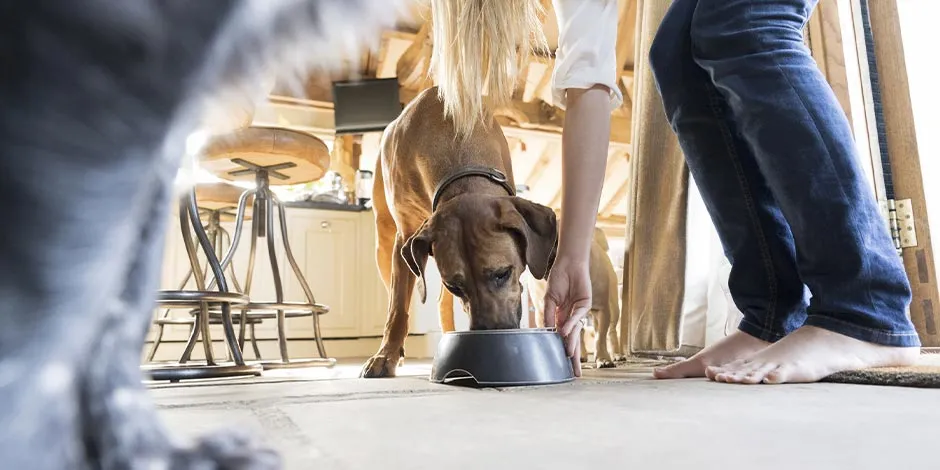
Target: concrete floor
pixel 328 419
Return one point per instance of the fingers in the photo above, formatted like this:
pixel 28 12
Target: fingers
pixel 573 343
pixel 576 363
pixel 573 336
pixel 550 309
pixel 574 321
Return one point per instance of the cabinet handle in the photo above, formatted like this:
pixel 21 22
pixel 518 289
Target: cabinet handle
pixel 325 225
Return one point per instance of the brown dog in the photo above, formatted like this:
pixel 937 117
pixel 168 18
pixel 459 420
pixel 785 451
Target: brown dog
pixel 435 195
pixel 605 310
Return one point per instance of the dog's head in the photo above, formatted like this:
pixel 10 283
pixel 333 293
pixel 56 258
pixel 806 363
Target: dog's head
pixel 482 244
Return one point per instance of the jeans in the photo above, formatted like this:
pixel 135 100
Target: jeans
pixel 773 155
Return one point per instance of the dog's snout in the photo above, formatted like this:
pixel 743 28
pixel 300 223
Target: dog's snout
pixel 501 321
pixel 494 325
pixel 504 314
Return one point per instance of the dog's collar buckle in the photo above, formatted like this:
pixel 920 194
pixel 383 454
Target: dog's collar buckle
pixel 491 173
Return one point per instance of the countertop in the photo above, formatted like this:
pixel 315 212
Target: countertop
pixel 327 206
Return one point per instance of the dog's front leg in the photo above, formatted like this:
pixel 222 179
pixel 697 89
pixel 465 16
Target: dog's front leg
pixel 602 326
pixel 613 335
pixel 445 308
pixel 385 361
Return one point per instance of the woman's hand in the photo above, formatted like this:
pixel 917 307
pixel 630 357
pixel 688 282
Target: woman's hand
pixel 567 303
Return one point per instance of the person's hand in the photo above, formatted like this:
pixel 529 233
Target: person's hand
pixel 567 303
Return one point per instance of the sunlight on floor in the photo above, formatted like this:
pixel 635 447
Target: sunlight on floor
pixel 344 370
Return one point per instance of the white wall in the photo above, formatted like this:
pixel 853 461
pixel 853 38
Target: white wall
pixel 708 313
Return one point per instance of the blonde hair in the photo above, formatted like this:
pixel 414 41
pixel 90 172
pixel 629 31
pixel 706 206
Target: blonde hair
pixel 480 47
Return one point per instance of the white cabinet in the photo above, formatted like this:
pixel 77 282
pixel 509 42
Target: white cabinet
pixel 325 247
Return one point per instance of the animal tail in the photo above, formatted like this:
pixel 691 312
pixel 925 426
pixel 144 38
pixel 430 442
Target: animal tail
pixel 480 47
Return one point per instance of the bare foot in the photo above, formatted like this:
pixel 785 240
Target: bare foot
pixel 810 354
pixel 730 348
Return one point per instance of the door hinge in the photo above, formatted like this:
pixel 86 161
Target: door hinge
pixel 906 229
pixel 901 221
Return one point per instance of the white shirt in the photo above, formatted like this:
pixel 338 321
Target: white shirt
pixel 587 48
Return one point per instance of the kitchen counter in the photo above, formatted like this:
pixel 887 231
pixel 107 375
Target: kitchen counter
pixel 327 206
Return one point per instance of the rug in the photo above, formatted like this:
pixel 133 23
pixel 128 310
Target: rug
pixel 921 376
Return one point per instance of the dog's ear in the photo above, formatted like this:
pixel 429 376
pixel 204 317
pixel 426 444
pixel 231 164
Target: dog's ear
pixel 537 227
pixel 415 251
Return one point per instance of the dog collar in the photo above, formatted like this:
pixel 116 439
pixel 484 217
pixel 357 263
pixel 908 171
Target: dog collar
pixel 491 173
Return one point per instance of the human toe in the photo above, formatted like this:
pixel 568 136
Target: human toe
pixel 680 370
pixel 759 373
pixel 732 372
pixel 725 370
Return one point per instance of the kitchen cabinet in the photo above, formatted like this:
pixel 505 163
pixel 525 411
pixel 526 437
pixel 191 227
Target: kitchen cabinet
pixel 325 247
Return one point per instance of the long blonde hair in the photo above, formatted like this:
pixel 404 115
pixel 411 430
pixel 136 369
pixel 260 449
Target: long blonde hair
pixel 480 47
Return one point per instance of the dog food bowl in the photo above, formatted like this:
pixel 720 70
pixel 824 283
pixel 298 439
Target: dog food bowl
pixel 502 358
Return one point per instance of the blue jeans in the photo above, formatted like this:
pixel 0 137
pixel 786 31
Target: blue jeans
pixel 773 155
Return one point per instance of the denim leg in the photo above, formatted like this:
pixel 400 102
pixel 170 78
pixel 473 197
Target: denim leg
pixel 789 117
pixel 764 281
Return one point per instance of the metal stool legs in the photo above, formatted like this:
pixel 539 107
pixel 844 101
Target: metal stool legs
pixel 264 204
pixel 202 299
pixel 219 238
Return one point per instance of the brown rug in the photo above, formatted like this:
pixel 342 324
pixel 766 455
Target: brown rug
pixel 914 376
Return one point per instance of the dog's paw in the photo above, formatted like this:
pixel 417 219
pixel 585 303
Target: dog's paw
pixel 380 365
pixel 620 358
pixel 605 364
pixel 226 451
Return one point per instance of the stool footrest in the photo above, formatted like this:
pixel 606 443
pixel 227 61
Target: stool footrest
pixel 174 321
pixel 213 320
pixel 194 298
pixel 269 309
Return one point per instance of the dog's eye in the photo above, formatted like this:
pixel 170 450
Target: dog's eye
pixel 500 277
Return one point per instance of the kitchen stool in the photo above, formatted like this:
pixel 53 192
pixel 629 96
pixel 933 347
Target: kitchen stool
pixel 202 299
pixel 216 203
pixel 271 156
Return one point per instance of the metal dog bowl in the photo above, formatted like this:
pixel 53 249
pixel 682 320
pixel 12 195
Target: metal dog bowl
pixel 502 358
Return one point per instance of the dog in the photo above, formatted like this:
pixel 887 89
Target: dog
pixel 605 310
pixel 99 97
pixel 438 195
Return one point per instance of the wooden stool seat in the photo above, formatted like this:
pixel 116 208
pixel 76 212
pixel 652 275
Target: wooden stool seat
pixel 222 197
pixel 289 157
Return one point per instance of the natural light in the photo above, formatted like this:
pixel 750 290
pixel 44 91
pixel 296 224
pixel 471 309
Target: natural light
pixel 918 23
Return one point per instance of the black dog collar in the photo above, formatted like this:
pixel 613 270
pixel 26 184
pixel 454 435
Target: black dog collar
pixel 491 173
